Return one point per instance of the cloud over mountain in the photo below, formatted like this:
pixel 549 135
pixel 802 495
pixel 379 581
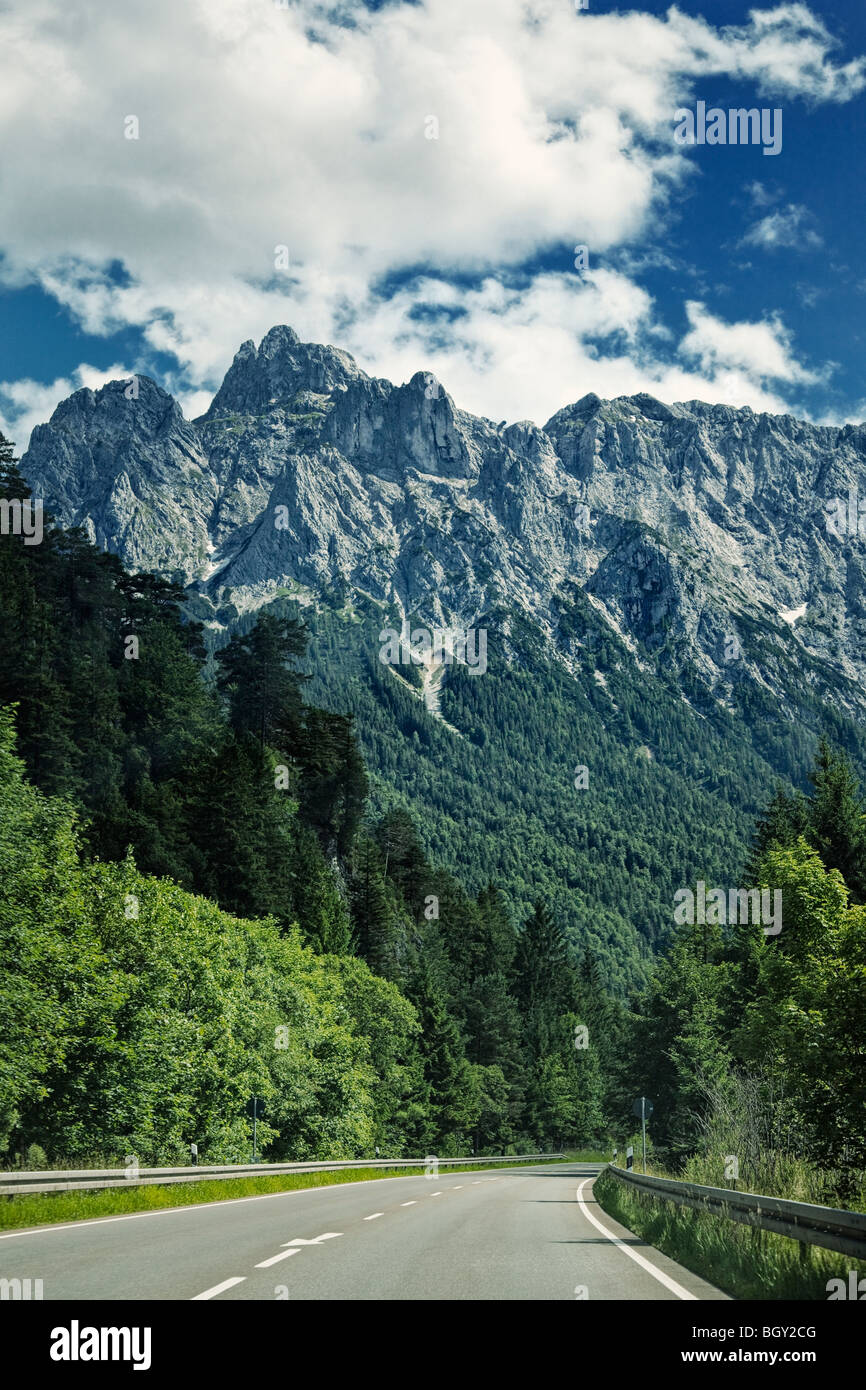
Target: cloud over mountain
pixel 260 126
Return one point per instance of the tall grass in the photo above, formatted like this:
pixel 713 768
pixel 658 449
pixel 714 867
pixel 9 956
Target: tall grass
pixel 741 1260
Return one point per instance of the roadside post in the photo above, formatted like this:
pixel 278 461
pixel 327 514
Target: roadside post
pixel 643 1108
pixel 255 1109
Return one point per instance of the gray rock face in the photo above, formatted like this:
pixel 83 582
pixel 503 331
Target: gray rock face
pixel 123 463
pixel 700 532
pixel 282 366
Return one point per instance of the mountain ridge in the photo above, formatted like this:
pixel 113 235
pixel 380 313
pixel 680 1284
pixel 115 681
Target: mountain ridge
pixel 398 493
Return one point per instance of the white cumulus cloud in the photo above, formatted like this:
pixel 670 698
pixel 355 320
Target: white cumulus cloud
pixel 260 126
pixel 790 227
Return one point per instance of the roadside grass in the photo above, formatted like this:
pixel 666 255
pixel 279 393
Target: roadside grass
pixel 781 1175
pixel 49 1208
pixel 741 1260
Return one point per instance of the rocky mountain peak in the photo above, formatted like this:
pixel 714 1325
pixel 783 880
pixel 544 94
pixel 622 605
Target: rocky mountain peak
pixel 129 405
pixel 271 375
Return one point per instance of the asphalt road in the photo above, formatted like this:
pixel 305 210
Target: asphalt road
pixel 527 1233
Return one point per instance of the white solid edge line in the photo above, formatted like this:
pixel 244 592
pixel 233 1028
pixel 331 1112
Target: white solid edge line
pixel 197 1206
pixel 219 1288
pixel 275 1259
pixel 633 1254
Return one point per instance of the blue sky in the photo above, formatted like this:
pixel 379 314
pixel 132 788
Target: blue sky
pixel 819 289
pixel 714 272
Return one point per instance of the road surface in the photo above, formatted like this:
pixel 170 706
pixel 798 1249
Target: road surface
pixel 528 1233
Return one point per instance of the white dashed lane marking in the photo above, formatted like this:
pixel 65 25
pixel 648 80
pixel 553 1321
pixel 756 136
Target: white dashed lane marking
pixel 292 1247
pixel 275 1259
pixel 219 1288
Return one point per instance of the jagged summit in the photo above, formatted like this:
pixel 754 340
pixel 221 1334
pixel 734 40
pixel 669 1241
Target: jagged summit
pixel 116 399
pixel 273 374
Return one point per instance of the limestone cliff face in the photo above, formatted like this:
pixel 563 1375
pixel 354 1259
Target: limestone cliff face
pixel 692 528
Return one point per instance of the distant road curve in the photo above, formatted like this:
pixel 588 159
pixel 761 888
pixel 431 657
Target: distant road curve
pixel 520 1233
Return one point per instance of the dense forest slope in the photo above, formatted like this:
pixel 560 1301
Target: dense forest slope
pixel 671 606
pixel 200 902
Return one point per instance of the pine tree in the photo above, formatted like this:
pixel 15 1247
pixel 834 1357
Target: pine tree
pixel 316 900
pixel 334 781
pixel 245 828
pixel 11 482
pixel 453 1094
pixel 264 691
pixel 497 936
pixel 543 978
pixel 372 911
pixel 786 817
pixel 403 858
pixel 836 819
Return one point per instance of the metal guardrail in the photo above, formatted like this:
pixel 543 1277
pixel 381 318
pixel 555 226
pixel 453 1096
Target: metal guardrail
pixel 831 1227
pixel 23 1184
